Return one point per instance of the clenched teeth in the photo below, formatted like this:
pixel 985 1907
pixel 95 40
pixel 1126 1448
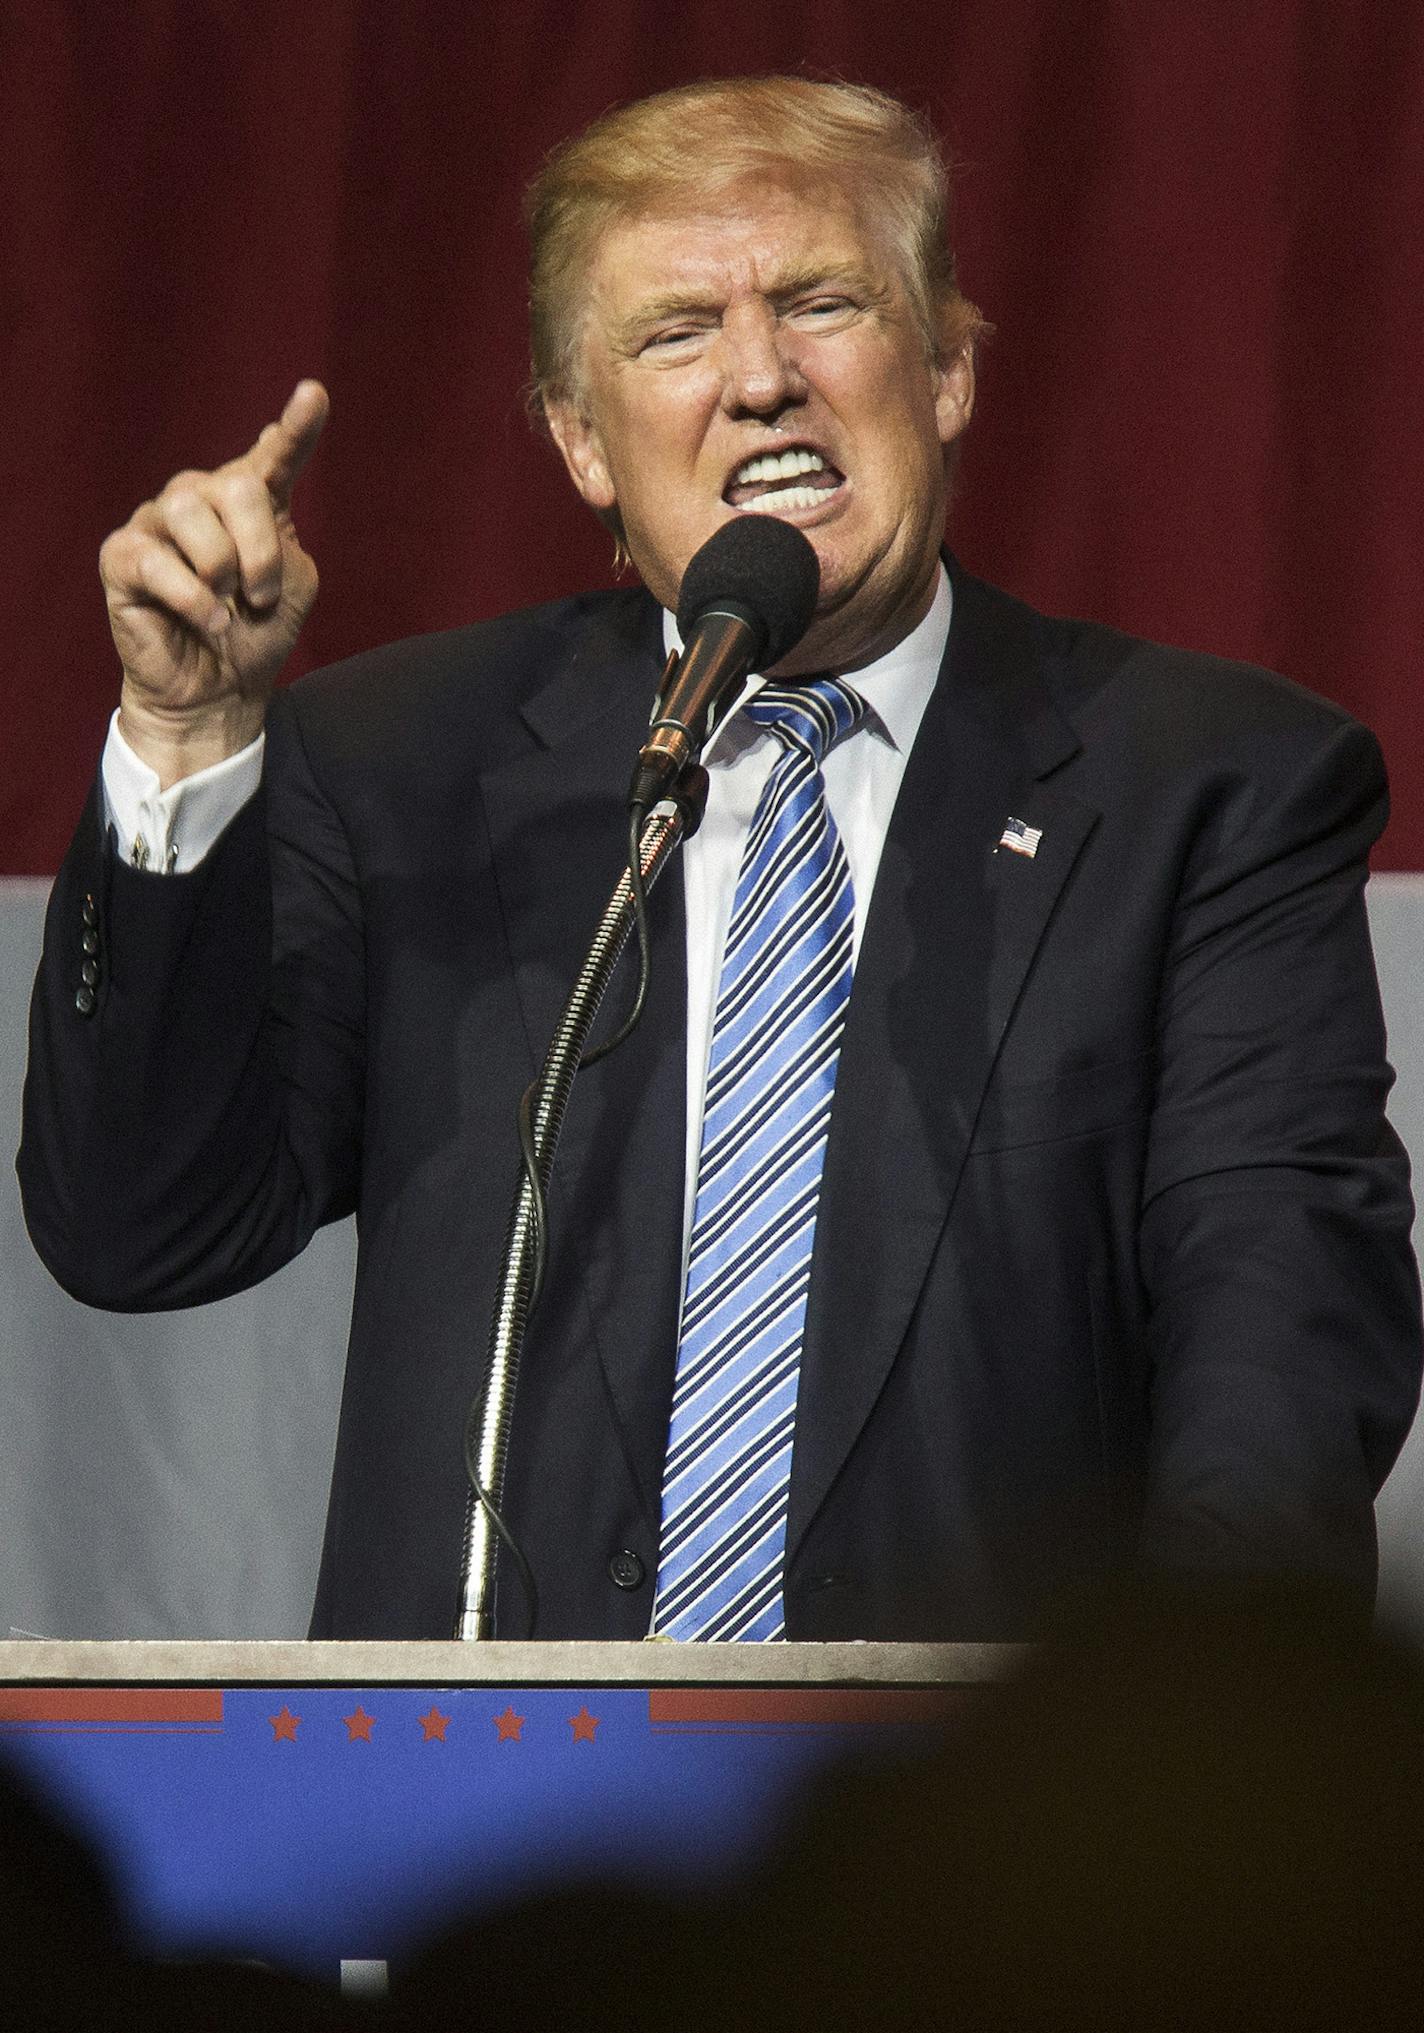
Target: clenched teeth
pixel 777 466
pixel 782 498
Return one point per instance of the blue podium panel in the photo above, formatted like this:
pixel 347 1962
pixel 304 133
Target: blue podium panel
pixel 312 1826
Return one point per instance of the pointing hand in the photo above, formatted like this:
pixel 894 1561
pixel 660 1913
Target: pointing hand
pixel 208 587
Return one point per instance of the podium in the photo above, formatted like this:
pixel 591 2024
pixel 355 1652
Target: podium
pixel 327 1807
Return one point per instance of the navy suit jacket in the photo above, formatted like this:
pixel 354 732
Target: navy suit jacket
pixel 1112 1264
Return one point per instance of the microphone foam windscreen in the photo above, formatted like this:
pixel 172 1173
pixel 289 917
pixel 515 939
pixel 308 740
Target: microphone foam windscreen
pixel 761 567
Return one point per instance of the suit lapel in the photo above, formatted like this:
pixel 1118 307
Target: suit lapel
pixel 557 829
pixel 951 933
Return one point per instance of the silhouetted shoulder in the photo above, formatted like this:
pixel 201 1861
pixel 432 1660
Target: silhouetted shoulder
pixel 1158 712
pixel 463 690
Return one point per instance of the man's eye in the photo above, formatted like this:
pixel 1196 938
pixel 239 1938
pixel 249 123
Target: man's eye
pixel 822 309
pixel 676 335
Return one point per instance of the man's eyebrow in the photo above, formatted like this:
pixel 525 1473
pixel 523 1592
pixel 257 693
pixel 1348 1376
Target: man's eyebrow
pixel 657 310
pixel 811 276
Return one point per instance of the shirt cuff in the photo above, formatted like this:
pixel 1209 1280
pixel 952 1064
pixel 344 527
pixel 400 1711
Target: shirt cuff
pixel 170 832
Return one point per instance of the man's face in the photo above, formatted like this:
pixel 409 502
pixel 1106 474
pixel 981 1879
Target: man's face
pixel 768 326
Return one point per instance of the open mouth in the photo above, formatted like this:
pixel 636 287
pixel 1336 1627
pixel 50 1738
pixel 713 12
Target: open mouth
pixel 776 483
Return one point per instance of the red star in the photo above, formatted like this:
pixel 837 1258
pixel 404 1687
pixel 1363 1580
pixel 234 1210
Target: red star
pixel 284 1724
pixel 434 1725
pixel 358 1725
pixel 583 1725
pixel 509 1725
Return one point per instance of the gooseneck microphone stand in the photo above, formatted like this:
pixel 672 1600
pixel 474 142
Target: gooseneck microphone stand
pixel 487 1431
pixel 746 600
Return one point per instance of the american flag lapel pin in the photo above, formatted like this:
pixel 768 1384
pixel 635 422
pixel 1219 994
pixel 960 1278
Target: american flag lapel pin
pixel 1020 839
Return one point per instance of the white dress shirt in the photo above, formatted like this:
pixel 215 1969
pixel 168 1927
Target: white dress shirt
pixel 170 832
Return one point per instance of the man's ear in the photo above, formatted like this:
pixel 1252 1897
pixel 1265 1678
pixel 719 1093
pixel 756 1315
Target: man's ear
pixel 578 440
pixel 954 394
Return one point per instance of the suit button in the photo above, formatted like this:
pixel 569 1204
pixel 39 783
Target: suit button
pixel 84 1000
pixel 626 1570
pixel 90 941
pixel 88 912
pixel 89 973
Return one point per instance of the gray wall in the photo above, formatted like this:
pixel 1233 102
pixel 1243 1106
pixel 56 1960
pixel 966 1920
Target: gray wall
pixel 1397 921
pixel 166 1476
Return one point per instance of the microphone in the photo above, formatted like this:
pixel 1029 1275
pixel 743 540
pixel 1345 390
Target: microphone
pixel 747 599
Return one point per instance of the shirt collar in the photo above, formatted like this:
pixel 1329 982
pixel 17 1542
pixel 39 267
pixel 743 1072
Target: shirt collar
pixel 896 687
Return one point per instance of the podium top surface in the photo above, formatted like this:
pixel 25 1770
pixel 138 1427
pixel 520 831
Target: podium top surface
pixel 286 1663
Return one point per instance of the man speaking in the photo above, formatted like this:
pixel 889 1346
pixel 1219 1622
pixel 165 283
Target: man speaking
pixel 996 1193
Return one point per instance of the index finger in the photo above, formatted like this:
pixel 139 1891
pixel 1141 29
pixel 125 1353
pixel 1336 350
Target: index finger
pixel 283 448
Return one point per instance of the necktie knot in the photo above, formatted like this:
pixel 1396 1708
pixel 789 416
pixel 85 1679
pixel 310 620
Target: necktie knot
pixel 812 715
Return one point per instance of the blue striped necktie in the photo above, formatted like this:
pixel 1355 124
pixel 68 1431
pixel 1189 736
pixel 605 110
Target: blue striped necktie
pixel 786 974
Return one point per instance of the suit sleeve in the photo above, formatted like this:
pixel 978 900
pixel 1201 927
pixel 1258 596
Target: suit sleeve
pixel 193 1099
pixel 1275 1232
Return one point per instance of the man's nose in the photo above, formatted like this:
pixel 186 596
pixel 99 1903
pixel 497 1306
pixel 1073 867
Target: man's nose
pixel 760 371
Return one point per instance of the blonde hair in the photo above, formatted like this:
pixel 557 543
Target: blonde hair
pixel 693 142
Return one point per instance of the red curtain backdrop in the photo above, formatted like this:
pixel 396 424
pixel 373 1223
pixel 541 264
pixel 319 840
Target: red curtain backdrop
pixel 1197 228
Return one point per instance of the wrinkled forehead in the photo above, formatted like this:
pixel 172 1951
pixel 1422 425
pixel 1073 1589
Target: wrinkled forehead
pixel 754 233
